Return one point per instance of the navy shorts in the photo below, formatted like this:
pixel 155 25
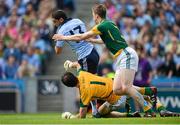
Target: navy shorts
pixel 90 62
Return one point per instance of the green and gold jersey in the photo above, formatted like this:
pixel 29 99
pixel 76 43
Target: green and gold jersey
pixel 111 36
pixel 94 87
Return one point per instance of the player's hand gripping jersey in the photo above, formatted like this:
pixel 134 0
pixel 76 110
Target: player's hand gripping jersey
pixel 71 27
pixel 95 87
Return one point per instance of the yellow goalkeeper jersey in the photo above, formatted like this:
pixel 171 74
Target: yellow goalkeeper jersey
pixel 94 87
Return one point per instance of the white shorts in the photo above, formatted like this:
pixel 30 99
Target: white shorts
pixel 128 59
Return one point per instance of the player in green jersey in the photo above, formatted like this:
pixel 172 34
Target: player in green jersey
pixel 125 58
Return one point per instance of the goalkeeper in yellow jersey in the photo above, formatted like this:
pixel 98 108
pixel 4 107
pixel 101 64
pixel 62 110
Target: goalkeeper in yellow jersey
pixel 93 87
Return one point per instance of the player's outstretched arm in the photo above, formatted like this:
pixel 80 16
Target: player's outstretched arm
pixel 82 114
pixel 92 40
pixel 76 37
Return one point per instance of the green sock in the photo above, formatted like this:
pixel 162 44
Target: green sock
pixel 129 115
pixel 150 111
pixel 161 108
pixel 148 91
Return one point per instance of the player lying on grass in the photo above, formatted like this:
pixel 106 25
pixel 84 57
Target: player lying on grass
pixel 106 108
pixel 94 87
pixel 90 91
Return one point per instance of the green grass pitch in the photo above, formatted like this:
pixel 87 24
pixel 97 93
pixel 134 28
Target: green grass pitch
pixel 54 118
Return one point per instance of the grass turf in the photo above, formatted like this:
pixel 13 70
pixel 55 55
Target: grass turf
pixel 54 118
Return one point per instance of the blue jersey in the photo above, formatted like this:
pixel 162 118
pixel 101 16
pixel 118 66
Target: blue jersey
pixel 71 27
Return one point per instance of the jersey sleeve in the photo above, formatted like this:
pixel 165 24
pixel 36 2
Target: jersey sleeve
pixel 59 44
pixel 96 29
pixel 85 98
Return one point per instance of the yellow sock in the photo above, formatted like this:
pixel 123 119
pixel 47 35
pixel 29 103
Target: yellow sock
pixel 146 107
pixel 142 90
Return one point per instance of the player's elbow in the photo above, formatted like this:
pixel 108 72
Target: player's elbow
pixel 58 50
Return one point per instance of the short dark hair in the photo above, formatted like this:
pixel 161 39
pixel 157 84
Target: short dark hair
pixel 59 14
pixel 100 10
pixel 69 79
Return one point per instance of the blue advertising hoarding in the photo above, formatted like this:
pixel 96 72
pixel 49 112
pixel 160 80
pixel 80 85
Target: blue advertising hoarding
pixel 170 98
pixel 169 92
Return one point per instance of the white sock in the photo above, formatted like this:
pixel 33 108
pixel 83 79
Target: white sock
pixel 93 105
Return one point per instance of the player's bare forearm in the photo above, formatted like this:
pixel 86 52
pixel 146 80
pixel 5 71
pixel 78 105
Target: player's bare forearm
pixel 115 114
pixel 77 37
pixel 92 40
pixel 82 112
